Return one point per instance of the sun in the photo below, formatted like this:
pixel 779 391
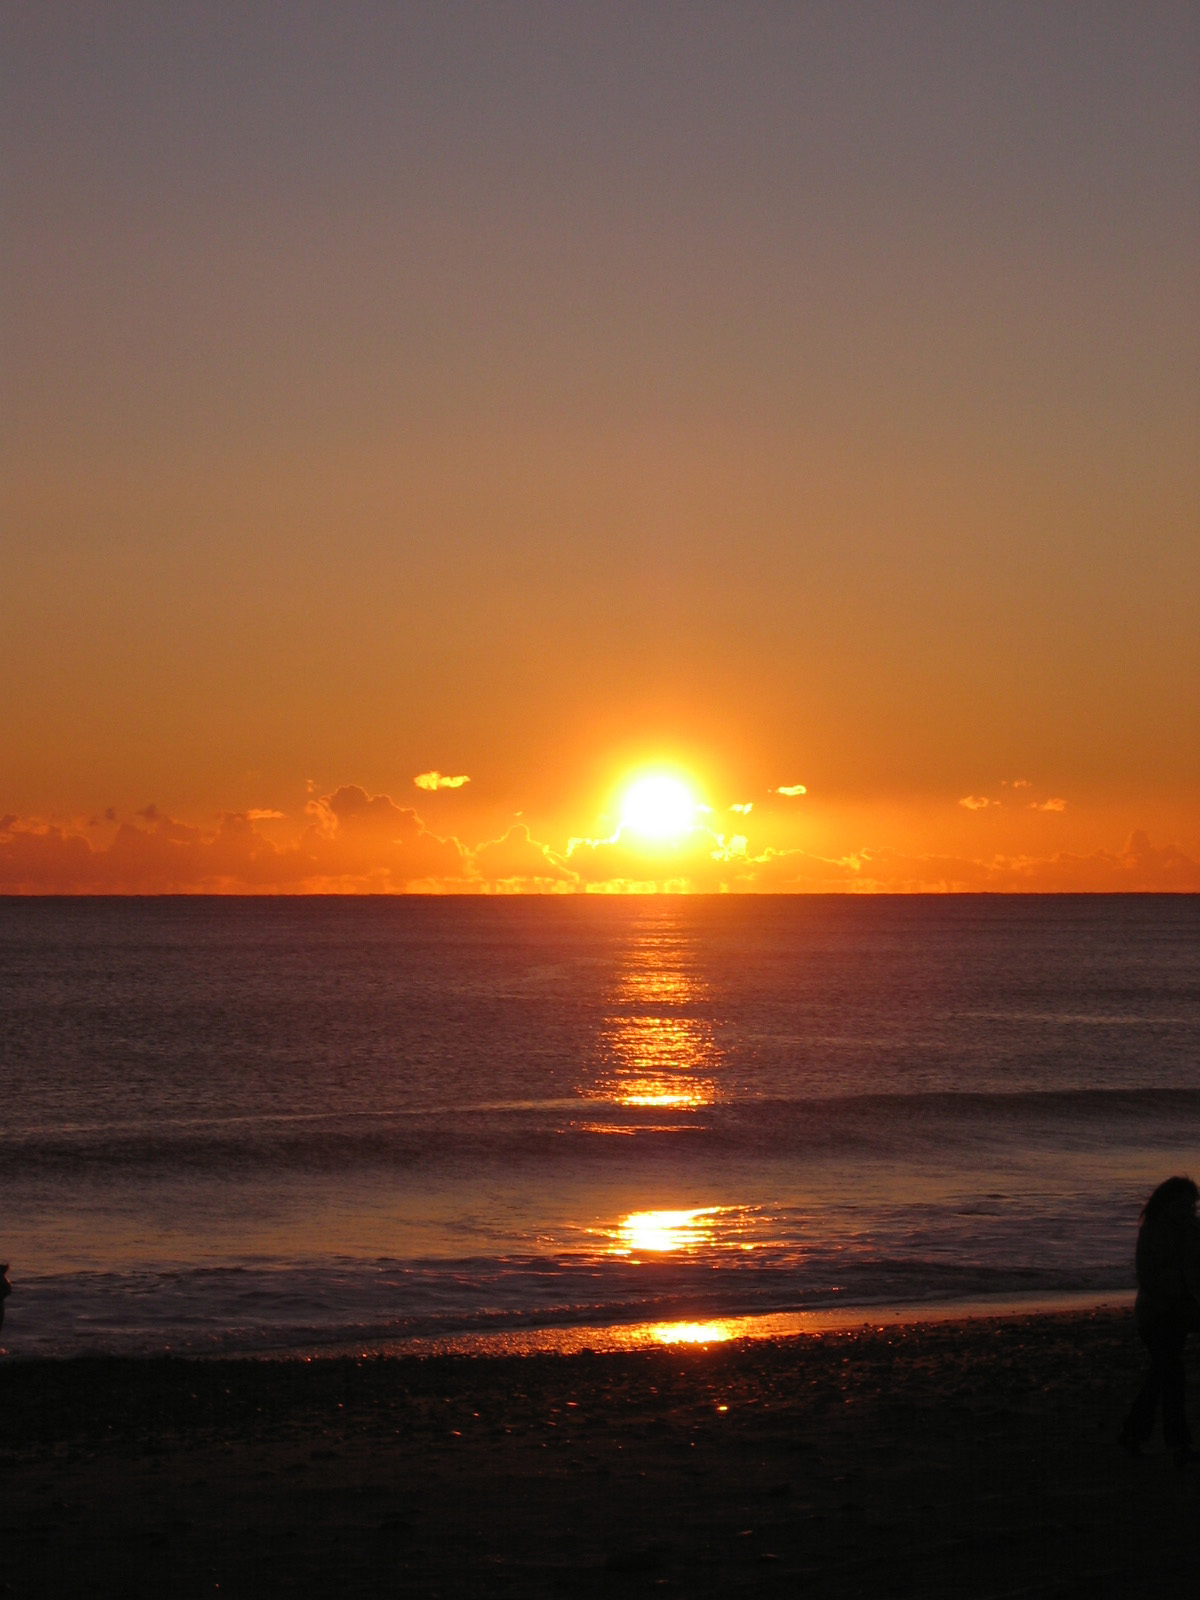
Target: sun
pixel 659 807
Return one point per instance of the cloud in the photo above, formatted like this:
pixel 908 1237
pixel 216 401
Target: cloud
pixel 789 789
pixel 799 872
pixel 353 842
pixel 699 862
pixel 356 834
pixel 980 802
pixel 353 812
pixel 745 809
pixel 517 859
pixel 437 780
pixel 1138 869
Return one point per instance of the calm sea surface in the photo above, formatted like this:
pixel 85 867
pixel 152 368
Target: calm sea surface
pixel 263 1124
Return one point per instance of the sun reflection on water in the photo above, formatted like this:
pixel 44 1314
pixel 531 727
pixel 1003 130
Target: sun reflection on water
pixel 648 980
pixel 664 1231
pixel 660 1061
pixel 690 1333
pixel 660 1054
pixel 644 1236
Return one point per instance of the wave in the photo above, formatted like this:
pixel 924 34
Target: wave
pixel 310 1305
pixel 550 1130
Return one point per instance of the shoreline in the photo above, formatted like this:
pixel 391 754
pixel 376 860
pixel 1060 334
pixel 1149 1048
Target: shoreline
pixel 970 1456
pixel 569 1338
pixel 608 1338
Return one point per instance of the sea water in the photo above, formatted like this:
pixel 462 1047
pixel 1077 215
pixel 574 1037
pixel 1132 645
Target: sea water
pixel 287 1124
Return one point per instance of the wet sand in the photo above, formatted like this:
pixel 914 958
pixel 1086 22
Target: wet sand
pixel 972 1458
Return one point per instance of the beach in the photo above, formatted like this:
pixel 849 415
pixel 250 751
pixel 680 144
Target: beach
pixel 974 1457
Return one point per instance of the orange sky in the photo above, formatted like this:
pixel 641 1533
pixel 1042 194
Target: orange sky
pixel 792 395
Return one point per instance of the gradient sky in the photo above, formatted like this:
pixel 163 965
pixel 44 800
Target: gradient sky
pixel 792 393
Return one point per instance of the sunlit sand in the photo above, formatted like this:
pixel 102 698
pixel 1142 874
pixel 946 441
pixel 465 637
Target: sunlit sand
pixel 880 1461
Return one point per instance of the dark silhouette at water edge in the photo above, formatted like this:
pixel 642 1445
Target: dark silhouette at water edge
pixel 1167 1308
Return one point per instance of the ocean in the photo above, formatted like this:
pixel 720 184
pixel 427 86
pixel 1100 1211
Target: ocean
pixel 295 1125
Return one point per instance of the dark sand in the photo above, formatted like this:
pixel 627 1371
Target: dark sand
pixel 963 1459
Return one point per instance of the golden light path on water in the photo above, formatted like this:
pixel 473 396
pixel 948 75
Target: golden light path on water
pixel 669 1062
pixel 663 1056
pixel 659 1054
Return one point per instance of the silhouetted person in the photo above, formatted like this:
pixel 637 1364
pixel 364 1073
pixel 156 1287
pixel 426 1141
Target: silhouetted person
pixel 5 1289
pixel 1167 1306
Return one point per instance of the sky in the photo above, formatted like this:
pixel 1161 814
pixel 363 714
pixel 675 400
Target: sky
pixel 548 395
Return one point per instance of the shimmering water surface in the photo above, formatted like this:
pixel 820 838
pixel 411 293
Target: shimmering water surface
pixel 263 1124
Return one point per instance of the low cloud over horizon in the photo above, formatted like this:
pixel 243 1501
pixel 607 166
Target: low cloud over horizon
pixel 354 842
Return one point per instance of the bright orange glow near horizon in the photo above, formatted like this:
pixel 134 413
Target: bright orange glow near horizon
pixel 431 428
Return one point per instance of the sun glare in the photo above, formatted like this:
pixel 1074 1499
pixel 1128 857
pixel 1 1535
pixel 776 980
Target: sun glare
pixel 663 1232
pixel 691 1333
pixel 659 807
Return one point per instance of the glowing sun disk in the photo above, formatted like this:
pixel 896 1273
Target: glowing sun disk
pixel 659 807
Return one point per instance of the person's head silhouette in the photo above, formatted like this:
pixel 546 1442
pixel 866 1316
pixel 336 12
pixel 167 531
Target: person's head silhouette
pixel 1176 1196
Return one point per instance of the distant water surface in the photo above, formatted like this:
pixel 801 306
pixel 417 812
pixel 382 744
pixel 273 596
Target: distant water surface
pixel 242 1124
